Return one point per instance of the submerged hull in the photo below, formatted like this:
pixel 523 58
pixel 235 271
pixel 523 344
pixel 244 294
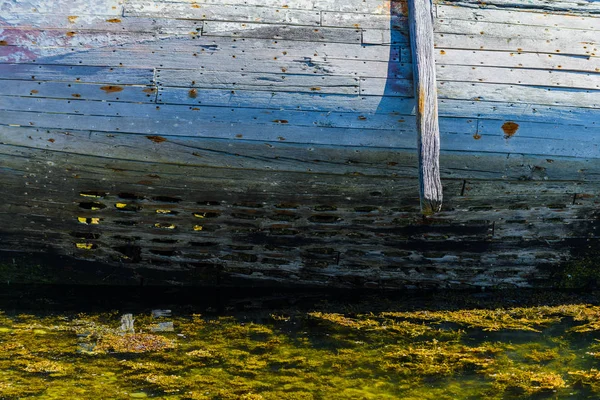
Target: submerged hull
pixel 275 141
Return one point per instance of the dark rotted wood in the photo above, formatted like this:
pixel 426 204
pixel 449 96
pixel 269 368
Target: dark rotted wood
pixel 277 144
pixel 284 226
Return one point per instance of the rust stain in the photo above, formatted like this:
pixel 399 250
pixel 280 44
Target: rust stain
pixel 362 117
pixel 113 20
pixel 239 136
pixel 147 183
pixel 314 89
pixel 149 90
pixel 195 109
pixel 76 95
pixel 442 52
pixel 510 128
pixel 71 34
pixel 3 43
pixel 157 139
pixel 34 92
pixel 72 18
pixel 195 6
pixel 281 121
pixel 476 136
pixel 111 89
pixel 193 93
pixel 421 98
pixel 52 140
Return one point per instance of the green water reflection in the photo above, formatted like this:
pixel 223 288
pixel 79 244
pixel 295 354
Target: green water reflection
pixel 302 346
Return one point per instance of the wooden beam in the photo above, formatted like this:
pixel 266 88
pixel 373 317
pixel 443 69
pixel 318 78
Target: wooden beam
pixel 421 40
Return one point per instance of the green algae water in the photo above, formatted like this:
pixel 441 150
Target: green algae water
pixel 92 343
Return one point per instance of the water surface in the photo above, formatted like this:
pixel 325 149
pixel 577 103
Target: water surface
pixel 88 343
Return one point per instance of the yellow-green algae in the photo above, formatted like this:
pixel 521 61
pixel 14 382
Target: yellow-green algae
pixel 329 352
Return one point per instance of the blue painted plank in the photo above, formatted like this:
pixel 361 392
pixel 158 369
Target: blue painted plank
pixel 309 119
pixel 538 130
pixel 88 91
pixel 403 136
pixel 290 101
pixel 506 111
pixel 76 73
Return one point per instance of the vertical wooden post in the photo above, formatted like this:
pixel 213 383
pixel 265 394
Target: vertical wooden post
pixel 421 41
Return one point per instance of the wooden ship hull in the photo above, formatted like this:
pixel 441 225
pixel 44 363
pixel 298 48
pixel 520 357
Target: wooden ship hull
pixel 216 142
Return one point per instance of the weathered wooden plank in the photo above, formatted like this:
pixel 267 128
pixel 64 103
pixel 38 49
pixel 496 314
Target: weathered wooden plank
pixel 496 201
pixel 519 17
pixel 75 73
pixel 540 130
pixel 388 113
pixel 428 130
pixel 281 32
pixel 288 101
pixel 214 62
pixel 72 7
pixel 52 166
pixel 103 23
pixel 385 7
pixel 454 164
pixel 364 21
pixel 387 87
pixel 51 42
pixel 491 189
pixel 366 6
pixel 384 37
pixel 139 93
pixel 554 168
pixel 167 112
pixel 583 7
pixel 299 4
pixel 510 137
pixel 570 46
pixel 499 30
pixel 262 49
pixel 464 196
pixel 517 60
pixel 519 94
pixel 521 76
pixel 525 145
pixel 218 12
pixel 401 137
pixel 520 111
pixel 253 81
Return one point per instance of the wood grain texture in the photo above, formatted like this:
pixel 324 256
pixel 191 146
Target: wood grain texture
pixel 520 17
pixel 428 144
pixel 543 6
pixel 278 139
